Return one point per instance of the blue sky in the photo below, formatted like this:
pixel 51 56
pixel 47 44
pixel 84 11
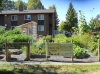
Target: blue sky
pixel 84 5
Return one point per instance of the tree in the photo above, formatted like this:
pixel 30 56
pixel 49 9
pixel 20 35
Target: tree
pixel 61 26
pixel 95 23
pixel 1 5
pixel 8 4
pixel 35 4
pixel 56 16
pixel 71 18
pixel 83 27
pixel 20 2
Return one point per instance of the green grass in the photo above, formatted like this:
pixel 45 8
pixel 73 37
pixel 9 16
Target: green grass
pixel 49 69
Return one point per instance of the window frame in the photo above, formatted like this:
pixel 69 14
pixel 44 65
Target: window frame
pixel 39 27
pixel 39 15
pixel 14 16
pixel 27 15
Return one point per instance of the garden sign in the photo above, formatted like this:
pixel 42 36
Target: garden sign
pixel 62 49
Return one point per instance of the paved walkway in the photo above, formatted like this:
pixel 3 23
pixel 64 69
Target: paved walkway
pixel 49 63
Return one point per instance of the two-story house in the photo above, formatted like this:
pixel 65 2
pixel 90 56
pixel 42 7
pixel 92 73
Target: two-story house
pixel 45 19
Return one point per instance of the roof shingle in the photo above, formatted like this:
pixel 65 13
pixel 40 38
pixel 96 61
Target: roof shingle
pixel 27 11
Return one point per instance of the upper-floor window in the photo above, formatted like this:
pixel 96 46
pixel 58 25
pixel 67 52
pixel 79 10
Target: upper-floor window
pixel 27 17
pixel 14 17
pixel 41 17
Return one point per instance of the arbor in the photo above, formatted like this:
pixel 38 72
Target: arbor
pixel 56 16
pixel 35 4
pixel 18 2
pixel 71 18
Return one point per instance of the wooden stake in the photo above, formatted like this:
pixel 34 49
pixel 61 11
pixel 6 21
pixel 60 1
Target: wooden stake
pixel 99 49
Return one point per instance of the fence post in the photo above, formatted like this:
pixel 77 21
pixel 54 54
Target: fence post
pixel 72 52
pixel 28 51
pixel 99 49
pixel 46 48
pixel 6 50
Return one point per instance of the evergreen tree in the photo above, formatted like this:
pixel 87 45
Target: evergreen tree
pixel 56 16
pixel 35 4
pixel 71 18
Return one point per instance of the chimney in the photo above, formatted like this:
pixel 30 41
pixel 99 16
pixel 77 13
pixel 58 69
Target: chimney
pixel 21 7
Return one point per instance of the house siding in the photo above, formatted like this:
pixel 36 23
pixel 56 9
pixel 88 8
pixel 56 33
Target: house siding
pixel 34 17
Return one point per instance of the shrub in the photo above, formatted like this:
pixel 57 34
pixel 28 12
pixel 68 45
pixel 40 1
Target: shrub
pixel 48 38
pixel 38 47
pixel 81 40
pixel 61 38
pixel 79 52
pixel 92 46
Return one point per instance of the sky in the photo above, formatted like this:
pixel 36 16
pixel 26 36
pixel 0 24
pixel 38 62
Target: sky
pixel 85 5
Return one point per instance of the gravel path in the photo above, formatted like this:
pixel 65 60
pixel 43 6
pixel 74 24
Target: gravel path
pixel 21 57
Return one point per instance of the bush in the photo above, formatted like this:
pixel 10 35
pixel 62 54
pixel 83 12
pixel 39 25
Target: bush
pixel 92 46
pixel 38 47
pixel 48 38
pixel 81 40
pixel 61 38
pixel 79 52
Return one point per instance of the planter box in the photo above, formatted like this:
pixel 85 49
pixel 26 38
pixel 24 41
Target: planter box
pixel 38 56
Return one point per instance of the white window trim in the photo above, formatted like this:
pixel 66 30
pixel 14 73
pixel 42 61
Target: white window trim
pixel 27 19
pixel 38 27
pixel 39 15
pixel 14 15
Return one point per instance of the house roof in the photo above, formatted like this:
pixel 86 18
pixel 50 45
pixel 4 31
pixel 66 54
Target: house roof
pixel 27 11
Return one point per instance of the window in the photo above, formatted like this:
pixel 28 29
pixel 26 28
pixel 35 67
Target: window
pixel 27 17
pixel 12 27
pixel 41 17
pixel 40 27
pixel 14 18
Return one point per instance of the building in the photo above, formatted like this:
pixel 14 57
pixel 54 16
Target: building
pixel 29 28
pixel 45 19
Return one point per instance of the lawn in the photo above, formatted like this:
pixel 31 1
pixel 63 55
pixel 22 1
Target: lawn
pixel 49 69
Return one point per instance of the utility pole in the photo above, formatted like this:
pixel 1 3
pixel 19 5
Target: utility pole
pixel 92 12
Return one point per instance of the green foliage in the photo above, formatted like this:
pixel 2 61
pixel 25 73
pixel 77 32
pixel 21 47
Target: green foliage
pixel 79 52
pixel 61 26
pixel 20 2
pixel 95 23
pixel 1 31
pixel 14 35
pixel 34 4
pixel 81 40
pixel 92 46
pixel 60 38
pixel 56 15
pixel 71 18
pixel 38 47
pixel 83 27
pixel 48 38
